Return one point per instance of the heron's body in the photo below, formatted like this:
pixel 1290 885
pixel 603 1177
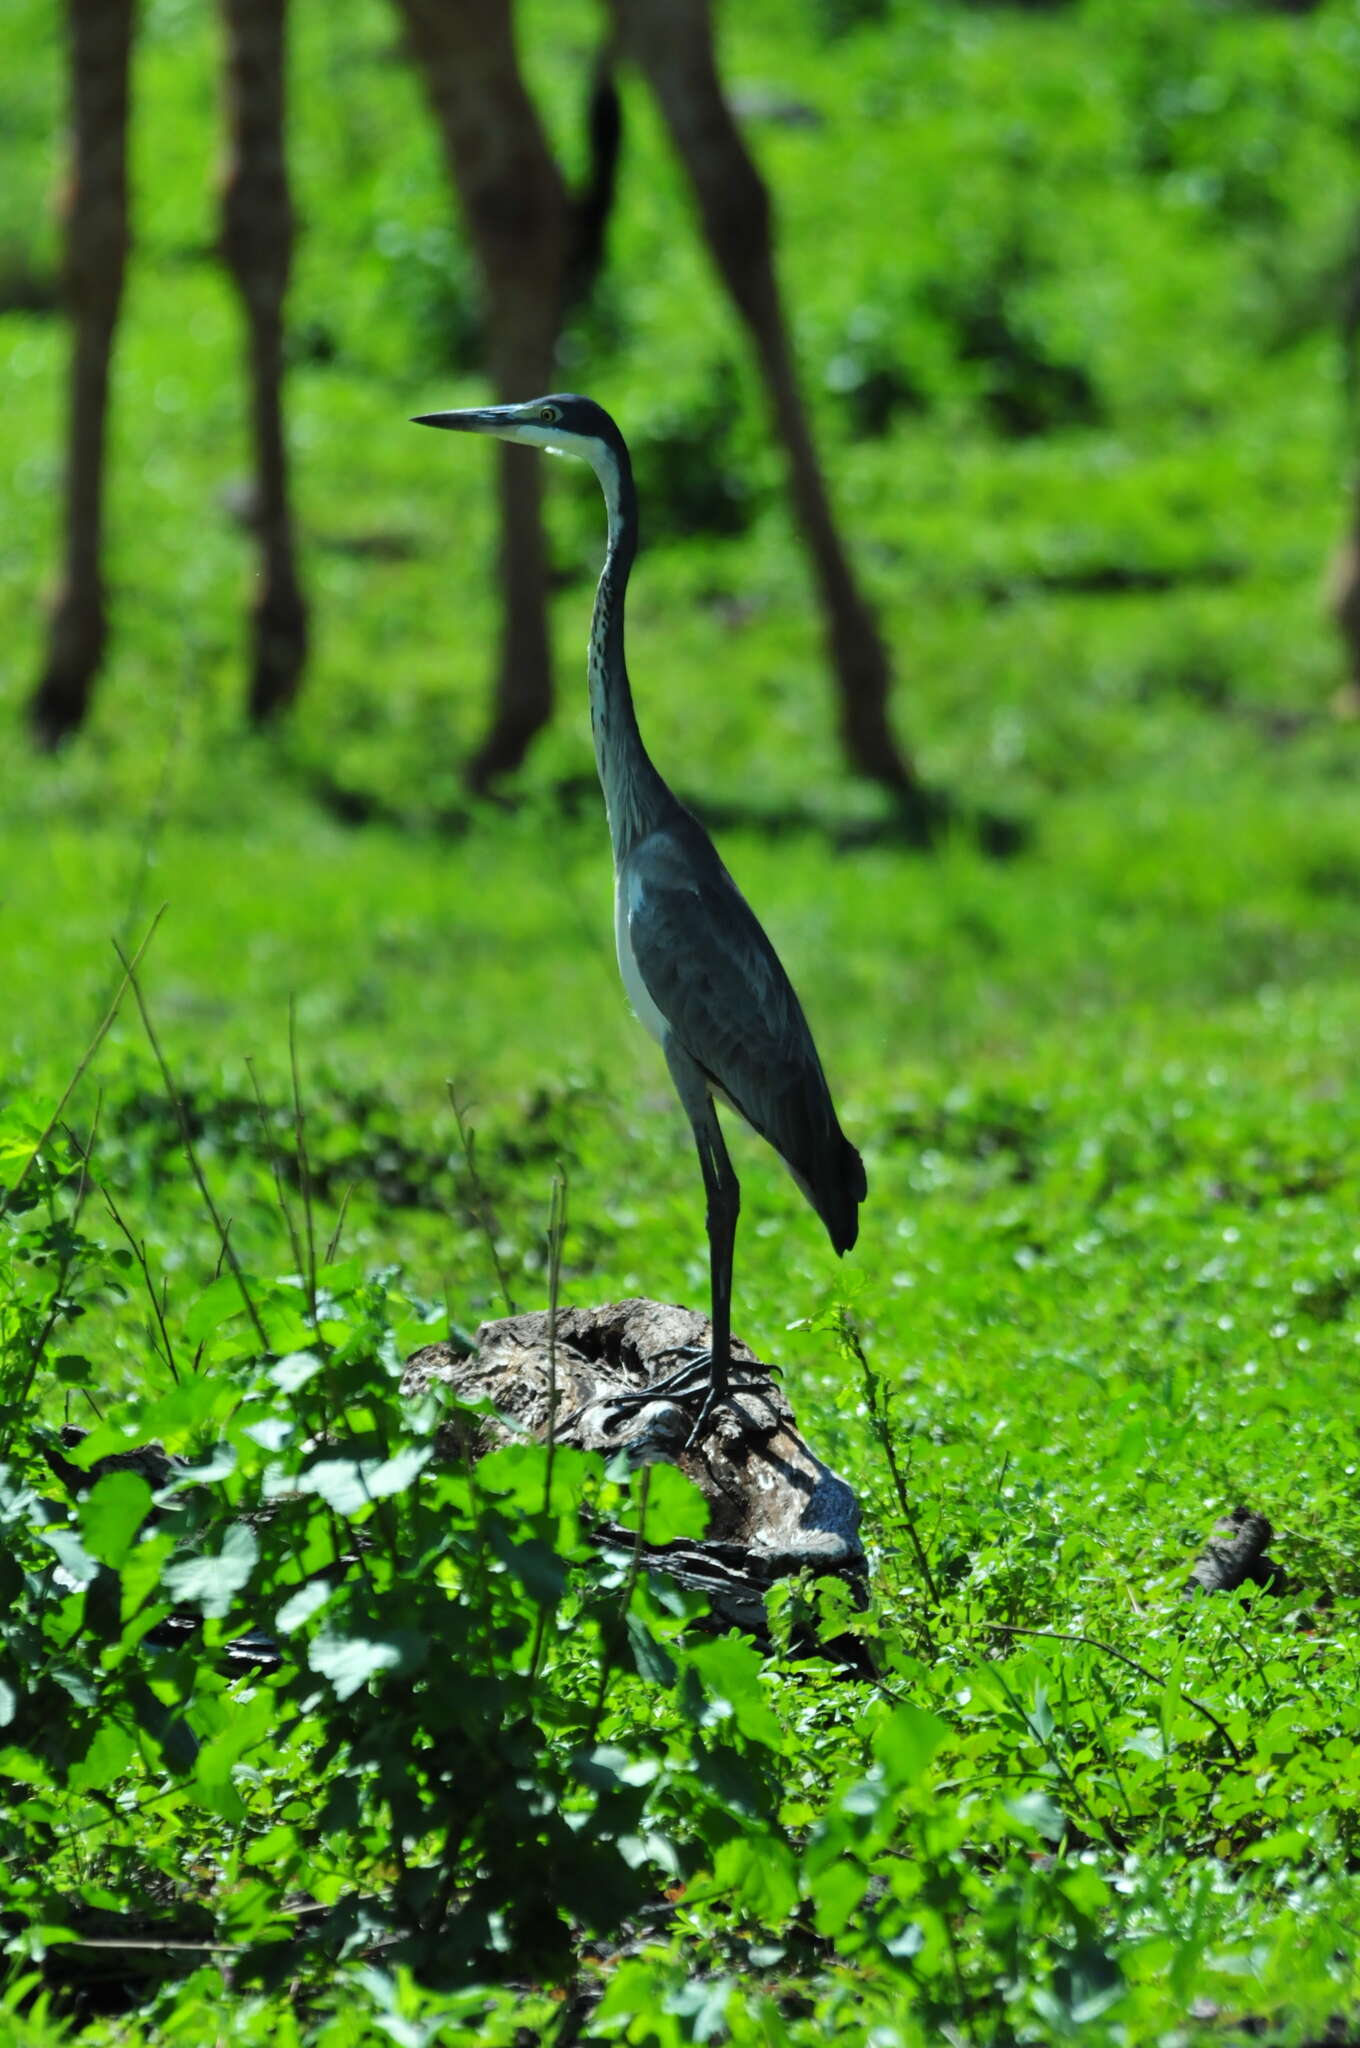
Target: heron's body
pixel 698 970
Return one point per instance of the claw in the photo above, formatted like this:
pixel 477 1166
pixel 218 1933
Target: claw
pixel 696 1377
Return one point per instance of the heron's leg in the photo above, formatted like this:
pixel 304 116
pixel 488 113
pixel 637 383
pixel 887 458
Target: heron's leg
pixel 723 1204
pixel 707 1372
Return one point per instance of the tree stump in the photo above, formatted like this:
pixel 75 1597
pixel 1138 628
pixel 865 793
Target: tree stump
pixel 775 1509
pixel 1235 1556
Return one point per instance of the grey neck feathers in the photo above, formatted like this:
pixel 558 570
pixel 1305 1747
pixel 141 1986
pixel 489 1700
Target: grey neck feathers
pixel 633 791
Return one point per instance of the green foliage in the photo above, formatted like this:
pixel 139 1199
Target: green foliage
pixel 310 1738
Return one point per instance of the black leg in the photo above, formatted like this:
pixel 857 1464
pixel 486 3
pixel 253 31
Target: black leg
pixel 724 1205
pixel 706 1374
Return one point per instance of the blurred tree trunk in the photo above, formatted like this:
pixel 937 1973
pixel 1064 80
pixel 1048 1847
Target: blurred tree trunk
pixel 96 221
pixel 1344 598
pixel 671 42
pixel 257 245
pixel 515 204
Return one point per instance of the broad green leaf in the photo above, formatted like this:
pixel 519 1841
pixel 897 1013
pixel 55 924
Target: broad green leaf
pixel 350 1661
pixel 675 1506
pixel 113 1512
pixel 19 1763
pixel 730 1668
pixel 302 1605
pixel 1286 1845
pixel 212 1583
pixel 74 1558
pixel 294 1370
pixel 1036 1810
pixel 219 1301
pixel 836 1894
pixel 761 1874
pixel 907 1742
pixel 251 1720
pixel 107 1757
pixel 653 1661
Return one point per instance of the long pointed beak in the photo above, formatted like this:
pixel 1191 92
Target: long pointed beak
pixel 484 419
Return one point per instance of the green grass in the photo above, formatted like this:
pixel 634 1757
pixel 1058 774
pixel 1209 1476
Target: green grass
pixel 1109 1273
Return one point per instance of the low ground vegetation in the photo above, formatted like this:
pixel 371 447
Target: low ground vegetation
pixel 1074 370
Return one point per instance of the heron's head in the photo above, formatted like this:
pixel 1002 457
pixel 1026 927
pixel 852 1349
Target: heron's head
pixel 563 424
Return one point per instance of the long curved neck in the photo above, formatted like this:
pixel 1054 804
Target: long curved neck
pixel 632 788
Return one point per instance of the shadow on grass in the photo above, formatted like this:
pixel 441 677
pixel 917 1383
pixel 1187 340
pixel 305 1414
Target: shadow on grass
pixel 1000 835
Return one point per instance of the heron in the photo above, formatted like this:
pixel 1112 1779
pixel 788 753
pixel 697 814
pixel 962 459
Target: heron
pixel 697 967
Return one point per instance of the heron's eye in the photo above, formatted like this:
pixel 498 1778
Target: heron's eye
pixel 549 415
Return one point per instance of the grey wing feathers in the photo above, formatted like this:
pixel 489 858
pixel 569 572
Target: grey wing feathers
pixel 724 995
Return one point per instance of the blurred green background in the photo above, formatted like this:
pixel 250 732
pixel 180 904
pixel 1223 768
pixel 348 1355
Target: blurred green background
pixel 1064 284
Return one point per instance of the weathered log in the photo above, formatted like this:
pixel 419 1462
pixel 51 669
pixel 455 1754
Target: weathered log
pixel 775 1509
pixel 1235 1555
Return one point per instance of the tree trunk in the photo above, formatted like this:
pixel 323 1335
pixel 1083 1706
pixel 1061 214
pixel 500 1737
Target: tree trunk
pixel 515 205
pixel 257 245
pixel 671 42
pixel 96 211
pixel 1344 600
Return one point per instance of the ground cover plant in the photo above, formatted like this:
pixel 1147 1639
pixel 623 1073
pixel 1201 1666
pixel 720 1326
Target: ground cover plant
pixel 1075 374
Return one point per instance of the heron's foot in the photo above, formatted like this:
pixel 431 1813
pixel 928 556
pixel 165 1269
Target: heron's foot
pixel 700 1356
pixel 698 1379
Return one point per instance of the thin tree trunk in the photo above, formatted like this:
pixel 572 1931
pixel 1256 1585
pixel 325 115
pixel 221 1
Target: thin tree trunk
pixel 257 244
pixel 671 42
pixel 515 204
pixel 96 210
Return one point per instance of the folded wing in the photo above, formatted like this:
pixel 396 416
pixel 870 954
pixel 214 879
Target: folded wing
pixel 718 984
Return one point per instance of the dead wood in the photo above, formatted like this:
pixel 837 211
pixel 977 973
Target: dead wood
pixel 1235 1555
pixel 774 1508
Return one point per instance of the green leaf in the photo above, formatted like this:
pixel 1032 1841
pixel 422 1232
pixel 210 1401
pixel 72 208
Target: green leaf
pixel 761 1874
pixel 350 1661
pixel 302 1605
pixel 111 1750
pixel 1286 1845
pixel 294 1371
pixel 21 1764
pixel 251 1720
pixel 212 1583
pixel 836 1894
pixel 218 1302
pixel 907 1742
pixel 349 1484
pixel 731 1670
pixel 112 1514
pixel 675 1507
pixel 653 1661
pixel 1036 1810
pixel 74 1558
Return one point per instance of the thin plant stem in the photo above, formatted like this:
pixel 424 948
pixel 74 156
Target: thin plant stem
pixel 16 1406
pixel 304 1170
pixel 1057 1635
pixel 138 1250
pixel 101 1032
pixel 557 1226
pixel 625 1602
pixel 852 1344
pixel 276 1164
pixel 467 1139
pixel 186 1139
pixel 334 1243
pixel 1060 1765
